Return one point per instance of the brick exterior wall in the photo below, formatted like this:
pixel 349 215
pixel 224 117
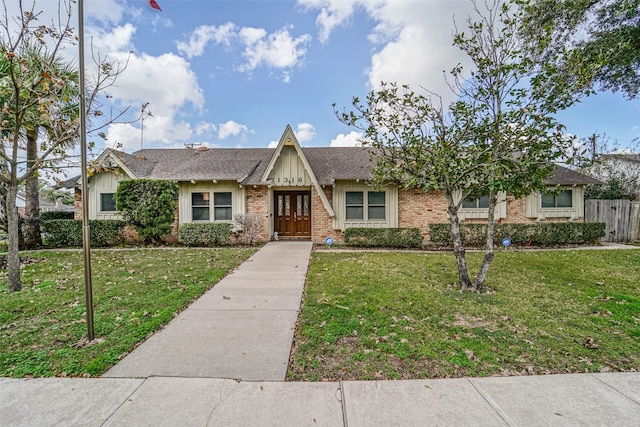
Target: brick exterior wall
pixel 419 209
pixel 321 222
pixel 257 202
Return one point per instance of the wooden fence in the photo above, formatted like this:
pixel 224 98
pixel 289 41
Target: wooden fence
pixel 622 218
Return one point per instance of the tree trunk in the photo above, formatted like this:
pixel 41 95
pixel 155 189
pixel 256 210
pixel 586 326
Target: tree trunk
pixel 31 228
pixel 489 252
pixel 13 255
pixel 458 247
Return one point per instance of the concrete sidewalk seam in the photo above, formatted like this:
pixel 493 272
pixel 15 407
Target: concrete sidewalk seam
pixel 501 413
pixel 345 421
pixel 124 401
pixel 616 390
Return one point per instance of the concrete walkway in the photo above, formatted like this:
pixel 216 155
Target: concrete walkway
pixel 611 399
pixel 241 329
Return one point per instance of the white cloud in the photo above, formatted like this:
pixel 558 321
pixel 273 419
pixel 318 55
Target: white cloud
pixel 166 82
pixel 277 50
pixel 204 34
pixel 273 144
pixel 231 128
pixel 352 139
pixel 117 39
pixel 414 39
pixel 305 132
pixel 333 13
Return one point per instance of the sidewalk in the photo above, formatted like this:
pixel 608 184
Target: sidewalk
pixel 241 329
pixel 223 361
pixel 611 399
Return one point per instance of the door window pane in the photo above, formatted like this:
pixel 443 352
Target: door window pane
pixel 299 205
pixel 287 205
pixel 306 205
pixel 280 204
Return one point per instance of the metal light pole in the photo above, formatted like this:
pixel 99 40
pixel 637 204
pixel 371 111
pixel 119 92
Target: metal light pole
pixel 86 235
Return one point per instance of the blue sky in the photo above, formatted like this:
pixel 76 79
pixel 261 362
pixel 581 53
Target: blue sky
pixel 234 73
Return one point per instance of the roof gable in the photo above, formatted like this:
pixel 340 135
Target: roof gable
pixel 289 139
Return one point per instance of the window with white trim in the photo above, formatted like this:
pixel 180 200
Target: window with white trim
pixel 107 202
pixel 476 203
pixel 560 199
pixel 365 205
pixel 202 206
pixel 222 206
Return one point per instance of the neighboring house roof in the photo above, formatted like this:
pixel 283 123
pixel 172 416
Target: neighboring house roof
pixel 623 157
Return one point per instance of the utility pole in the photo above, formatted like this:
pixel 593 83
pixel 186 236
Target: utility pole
pixel 143 114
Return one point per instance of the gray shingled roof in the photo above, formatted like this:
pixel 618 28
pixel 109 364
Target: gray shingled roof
pixel 564 176
pixel 247 165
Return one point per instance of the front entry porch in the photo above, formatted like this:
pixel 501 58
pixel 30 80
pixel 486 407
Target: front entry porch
pixel 292 219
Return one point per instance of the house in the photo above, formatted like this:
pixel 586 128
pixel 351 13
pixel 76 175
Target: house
pixel 624 166
pixel 306 193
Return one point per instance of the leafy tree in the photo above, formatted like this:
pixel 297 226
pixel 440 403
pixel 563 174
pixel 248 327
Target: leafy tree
pixel 583 33
pixel 499 137
pixel 33 80
pixel 149 205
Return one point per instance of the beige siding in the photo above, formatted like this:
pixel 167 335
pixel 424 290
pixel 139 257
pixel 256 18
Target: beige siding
pixel 103 183
pixel 186 188
pixel 535 210
pixel 339 205
pixel 289 170
pixel 500 212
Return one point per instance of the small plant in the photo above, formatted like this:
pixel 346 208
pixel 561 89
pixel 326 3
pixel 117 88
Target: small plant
pixel 251 226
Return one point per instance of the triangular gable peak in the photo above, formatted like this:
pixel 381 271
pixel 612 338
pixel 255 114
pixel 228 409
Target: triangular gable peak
pixel 110 159
pixel 289 167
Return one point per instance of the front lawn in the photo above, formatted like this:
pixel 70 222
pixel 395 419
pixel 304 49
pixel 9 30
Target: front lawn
pixel 398 315
pixel 43 327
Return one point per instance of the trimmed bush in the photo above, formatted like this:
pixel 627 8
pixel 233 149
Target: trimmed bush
pixel 68 232
pixel 49 215
pixel 383 237
pixel 539 234
pixel 206 234
pixel 149 205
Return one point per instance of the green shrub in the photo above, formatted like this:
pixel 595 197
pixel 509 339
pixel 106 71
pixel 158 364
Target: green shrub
pixel 540 234
pixel 49 215
pixel 205 234
pixel 149 205
pixel 383 237
pixel 68 232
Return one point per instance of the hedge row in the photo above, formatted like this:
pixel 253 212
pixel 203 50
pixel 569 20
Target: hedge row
pixel 205 234
pixel 49 215
pixel 539 234
pixel 68 232
pixel 383 237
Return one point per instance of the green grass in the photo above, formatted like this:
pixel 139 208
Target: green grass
pixel 400 315
pixel 43 327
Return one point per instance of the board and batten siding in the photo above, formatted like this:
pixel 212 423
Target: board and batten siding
pixel 534 207
pixel 186 188
pixel 339 205
pixel 289 170
pixel 482 213
pixel 102 183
